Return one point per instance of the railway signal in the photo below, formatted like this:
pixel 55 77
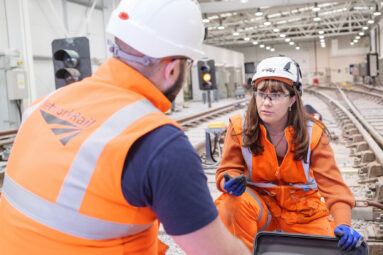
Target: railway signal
pixel 71 60
pixel 206 75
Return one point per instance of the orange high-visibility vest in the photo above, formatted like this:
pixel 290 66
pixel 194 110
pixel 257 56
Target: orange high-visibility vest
pixel 62 189
pixel 289 190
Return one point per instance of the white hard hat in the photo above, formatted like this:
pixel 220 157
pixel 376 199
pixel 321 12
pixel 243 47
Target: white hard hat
pixel 160 28
pixel 279 68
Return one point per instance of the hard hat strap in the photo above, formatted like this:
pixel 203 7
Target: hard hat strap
pixel 123 56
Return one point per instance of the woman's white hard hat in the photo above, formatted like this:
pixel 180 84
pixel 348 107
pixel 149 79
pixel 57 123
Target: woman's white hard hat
pixel 278 68
pixel 160 28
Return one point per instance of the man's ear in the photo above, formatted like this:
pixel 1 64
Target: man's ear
pixel 171 71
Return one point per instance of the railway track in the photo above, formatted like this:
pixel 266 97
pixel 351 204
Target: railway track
pixel 359 113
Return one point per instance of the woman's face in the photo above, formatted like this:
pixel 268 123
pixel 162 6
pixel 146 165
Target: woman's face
pixel 273 103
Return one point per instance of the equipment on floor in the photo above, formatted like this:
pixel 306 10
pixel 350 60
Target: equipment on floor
pixel 281 243
pixel 217 129
pixel 314 113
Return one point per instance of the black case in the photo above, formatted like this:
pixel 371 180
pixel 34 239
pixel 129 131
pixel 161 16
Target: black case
pixel 281 243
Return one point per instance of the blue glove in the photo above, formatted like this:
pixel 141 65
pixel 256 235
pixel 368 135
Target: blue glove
pixel 235 186
pixel 349 237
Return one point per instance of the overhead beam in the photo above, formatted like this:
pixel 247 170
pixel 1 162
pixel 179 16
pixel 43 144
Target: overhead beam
pixel 236 5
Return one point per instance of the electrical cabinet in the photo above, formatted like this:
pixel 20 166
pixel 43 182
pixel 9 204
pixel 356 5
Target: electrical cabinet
pixel 17 84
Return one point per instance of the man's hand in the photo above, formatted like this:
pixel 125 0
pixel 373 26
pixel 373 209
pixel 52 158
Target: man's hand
pixel 235 186
pixel 349 237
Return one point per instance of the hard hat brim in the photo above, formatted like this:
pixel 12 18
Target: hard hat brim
pixel 282 79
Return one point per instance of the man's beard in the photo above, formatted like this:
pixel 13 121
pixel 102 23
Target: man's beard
pixel 173 91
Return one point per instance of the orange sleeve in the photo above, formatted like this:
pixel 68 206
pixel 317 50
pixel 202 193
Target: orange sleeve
pixel 232 161
pixel 339 198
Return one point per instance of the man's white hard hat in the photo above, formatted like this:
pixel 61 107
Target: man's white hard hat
pixel 279 68
pixel 160 28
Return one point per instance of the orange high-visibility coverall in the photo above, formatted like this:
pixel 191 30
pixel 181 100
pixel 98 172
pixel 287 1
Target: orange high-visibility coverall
pixel 284 208
pixel 62 192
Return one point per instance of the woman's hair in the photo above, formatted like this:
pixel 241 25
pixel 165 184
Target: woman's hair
pixel 297 118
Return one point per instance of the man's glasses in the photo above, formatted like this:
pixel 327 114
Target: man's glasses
pixel 275 96
pixel 189 61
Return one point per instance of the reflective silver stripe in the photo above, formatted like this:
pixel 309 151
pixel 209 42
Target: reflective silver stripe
pixel 78 177
pixel 30 109
pixel 247 156
pixel 261 214
pixel 310 184
pixel 63 215
pixel 64 219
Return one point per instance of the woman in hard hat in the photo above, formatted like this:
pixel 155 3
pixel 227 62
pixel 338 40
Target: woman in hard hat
pixel 96 165
pixel 277 165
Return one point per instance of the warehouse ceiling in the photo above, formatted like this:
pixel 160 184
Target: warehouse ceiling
pixel 265 23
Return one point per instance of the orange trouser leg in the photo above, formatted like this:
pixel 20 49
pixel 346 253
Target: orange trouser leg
pixel 244 216
pixel 323 226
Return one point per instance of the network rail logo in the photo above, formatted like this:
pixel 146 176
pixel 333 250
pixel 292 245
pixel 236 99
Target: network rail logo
pixel 66 124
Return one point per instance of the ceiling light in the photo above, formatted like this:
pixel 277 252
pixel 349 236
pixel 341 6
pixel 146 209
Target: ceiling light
pixel 322 40
pixel 268 48
pixel 282 35
pixel 255 42
pixel 316 19
pixel 258 13
pixel 357 37
pixel 262 46
pixel 377 13
pixel 244 1
pixel 221 27
pixel 287 40
pixel 316 8
pixel 370 21
pixel 291 43
pixel 246 39
pixel 323 46
pixel 297 48
pixel 206 20
pixel 361 33
pixel 276 30
pixel 355 40
pixel 321 37
pixel 321 32
pixel 365 28
pixel 235 33
pixel 272 49
pixel 351 43
pixel 267 23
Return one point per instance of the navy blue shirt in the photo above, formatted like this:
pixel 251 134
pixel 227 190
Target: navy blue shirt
pixel 163 171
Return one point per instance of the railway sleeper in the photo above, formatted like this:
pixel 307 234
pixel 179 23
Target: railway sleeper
pixel 363 158
pixel 354 140
pixel 374 170
pixel 375 248
pixel 358 147
pixel 351 131
pixel 348 125
pixel 377 193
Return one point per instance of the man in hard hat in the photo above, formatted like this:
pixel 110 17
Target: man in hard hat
pixel 97 164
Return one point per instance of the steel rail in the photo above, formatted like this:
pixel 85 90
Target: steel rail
pixel 370 141
pixel 208 112
pixel 363 121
